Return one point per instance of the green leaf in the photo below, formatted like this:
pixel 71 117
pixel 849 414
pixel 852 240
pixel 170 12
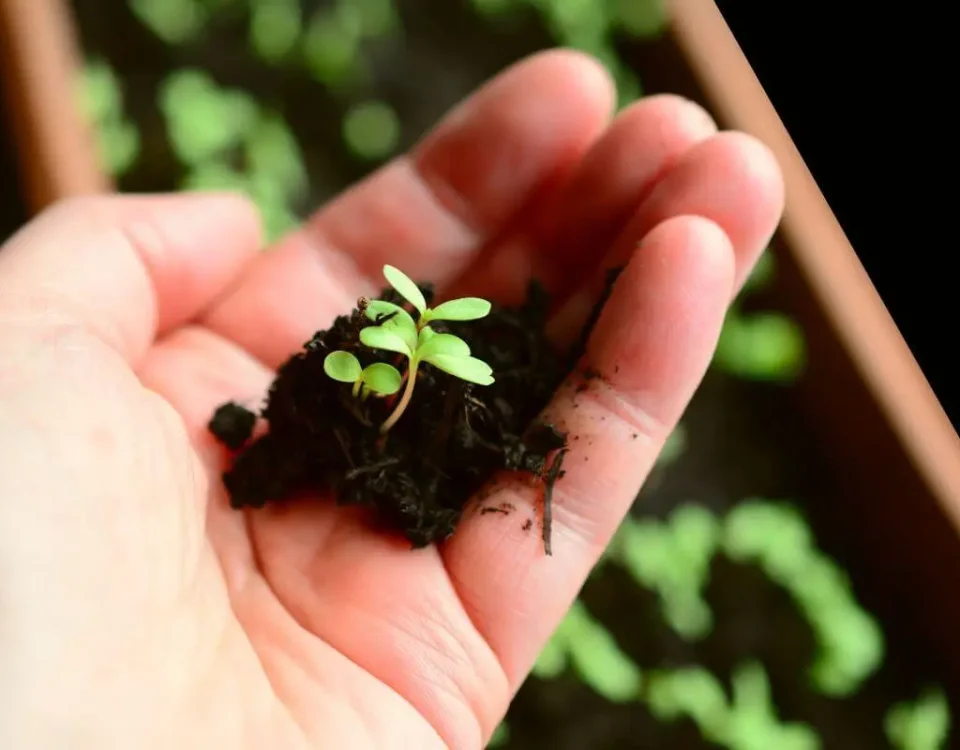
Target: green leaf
pixel 466 368
pixel 342 366
pixel 382 378
pixel 275 27
pixel 371 130
pixel 466 308
pixel 598 659
pixel 443 344
pixel 173 21
pixel 921 726
pixel 273 153
pixel 402 323
pixel 378 337
pixel 405 287
pixel 763 346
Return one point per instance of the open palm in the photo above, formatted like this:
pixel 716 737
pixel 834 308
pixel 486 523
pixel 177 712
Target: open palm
pixel 138 610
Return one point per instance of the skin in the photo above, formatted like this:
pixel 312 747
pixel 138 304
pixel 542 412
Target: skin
pixel 138 610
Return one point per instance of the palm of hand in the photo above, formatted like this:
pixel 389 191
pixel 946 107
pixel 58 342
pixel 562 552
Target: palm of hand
pixel 178 622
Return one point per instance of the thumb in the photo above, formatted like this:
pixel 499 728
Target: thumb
pixel 125 269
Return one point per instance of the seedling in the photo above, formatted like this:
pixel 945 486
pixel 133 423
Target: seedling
pixel 380 379
pixel 397 331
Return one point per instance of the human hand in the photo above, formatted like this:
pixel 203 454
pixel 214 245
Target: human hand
pixel 138 610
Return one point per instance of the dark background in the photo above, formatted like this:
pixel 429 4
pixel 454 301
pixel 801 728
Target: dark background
pixel 864 93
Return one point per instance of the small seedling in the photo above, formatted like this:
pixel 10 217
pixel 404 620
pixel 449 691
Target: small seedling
pixel 397 331
pixel 380 379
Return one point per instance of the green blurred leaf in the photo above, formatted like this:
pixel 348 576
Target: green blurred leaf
pixel 275 28
pixel 273 153
pixel 100 94
pixel 118 144
pixel 203 120
pixel 173 21
pixel 377 18
pixel 762 346
pixel 371 130
pixel 644 19
pixel 924 725
pixel 331 48
pixel 598 659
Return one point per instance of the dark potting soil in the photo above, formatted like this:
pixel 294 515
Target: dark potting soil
pixel 448 443
pixel 745 439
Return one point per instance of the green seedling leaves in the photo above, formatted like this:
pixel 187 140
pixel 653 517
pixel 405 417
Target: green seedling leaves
pixel 382 378
pixel 470 369
pixel 921 726
pixel 442 344
pixel 379 337
pixel 342 366
pixel 371 130
pixel 465 308
pixel 401 323
pixel 405 287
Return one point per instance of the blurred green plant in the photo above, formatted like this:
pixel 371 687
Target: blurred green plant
pixel 777 538
pixel 203 120
pixel 765 345
pixel 173 21
pixel 371 130
pixel 747 722
pixel 582 643
pixel 226 141
pixel 923 725
pixel 275 28
pixel 101 104
pixel 673 559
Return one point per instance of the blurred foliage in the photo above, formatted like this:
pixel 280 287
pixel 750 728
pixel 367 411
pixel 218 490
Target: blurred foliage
pixel 765 345
pixel 924 725
pixel 777 538
pixel 371 130
pixel 747 722
pixel 101 102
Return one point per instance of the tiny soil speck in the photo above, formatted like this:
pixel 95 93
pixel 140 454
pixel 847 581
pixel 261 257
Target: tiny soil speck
pixel 416 477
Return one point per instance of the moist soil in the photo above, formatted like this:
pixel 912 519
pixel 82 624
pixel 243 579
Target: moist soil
pixel 745 439
pixel 450 441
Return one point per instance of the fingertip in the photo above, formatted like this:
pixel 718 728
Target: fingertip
pixel 656 334
pixel 731 178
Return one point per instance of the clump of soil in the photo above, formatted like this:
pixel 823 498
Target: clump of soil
pixel 450 441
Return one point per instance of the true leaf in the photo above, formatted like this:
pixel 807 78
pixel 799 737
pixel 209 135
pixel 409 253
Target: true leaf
pixel 466 368
pixel 378 337
pixel 405 286
pixel 401 322
pixel 382 378
pixel 342 366
pixel 466 308
pixel 443 344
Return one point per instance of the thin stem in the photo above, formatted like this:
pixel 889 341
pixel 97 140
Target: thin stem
pixel 405 399
pixel 356 387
